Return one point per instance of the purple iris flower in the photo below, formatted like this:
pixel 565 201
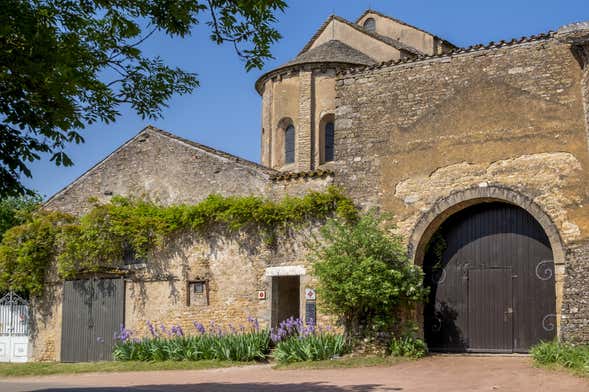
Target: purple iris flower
pixel 152 330
pixel 199 327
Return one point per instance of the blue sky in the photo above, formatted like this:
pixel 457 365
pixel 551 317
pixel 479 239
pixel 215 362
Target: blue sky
pixel 225 111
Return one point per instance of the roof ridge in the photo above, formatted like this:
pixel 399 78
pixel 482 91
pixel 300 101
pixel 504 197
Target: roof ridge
pixel 458 50
pixel 316 35
pixel 369 10
pixel 387 40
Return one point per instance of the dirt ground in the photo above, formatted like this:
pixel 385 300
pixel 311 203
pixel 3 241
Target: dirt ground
pixel 438 373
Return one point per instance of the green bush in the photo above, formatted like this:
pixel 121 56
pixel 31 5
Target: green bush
pixel 243 347
pixel 408 346
pixel 364 274
pixel 575 357
pixel 313 347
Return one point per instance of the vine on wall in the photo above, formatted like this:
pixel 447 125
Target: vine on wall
pixel 99 240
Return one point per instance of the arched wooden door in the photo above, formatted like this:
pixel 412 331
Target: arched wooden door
pixel 490 271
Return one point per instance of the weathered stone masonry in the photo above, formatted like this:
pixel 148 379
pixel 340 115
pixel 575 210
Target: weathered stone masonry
pixel 509 115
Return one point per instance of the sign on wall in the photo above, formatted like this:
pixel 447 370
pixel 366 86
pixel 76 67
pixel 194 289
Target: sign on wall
pixel 310 313
pixel 310 294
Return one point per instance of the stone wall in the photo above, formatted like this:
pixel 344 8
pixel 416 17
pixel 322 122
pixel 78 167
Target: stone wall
pixel 46 323
pixel 508 116
pixel 575 310
pixel 235 268
pixel 161 167
pixel 511 116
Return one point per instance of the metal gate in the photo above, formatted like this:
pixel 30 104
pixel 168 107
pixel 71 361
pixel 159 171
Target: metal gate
pixel 93 311
pixel 14 328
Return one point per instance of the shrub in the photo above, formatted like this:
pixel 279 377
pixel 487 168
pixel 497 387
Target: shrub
pixel 214 344
pixel 297 343
pixel 408 346
pixel 575 357
pixel 364 274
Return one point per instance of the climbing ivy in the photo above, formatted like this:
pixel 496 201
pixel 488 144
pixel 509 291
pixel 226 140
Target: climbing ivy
pixel 100 239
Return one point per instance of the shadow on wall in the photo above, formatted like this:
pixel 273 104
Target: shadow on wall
pixel 216 387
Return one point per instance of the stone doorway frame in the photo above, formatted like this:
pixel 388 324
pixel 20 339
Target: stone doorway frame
pixel 430 220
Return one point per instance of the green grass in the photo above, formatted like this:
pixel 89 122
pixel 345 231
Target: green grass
pixel 345 362
pixel 555 355
pixel 47 368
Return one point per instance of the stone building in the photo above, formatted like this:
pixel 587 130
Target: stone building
pixel 481 150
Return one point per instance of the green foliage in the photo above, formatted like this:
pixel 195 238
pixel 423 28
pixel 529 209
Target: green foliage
pixel 312 347
pixel 15 211
pixel 26 250
pixel 99 240
pixel 364 274
pixel 243 347
pixel 574 357
pixel 408 346
pixel 65 64
pixel 435 249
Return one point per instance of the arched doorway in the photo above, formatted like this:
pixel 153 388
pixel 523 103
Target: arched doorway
pixel 490 269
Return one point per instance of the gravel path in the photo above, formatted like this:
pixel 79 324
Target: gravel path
pixel 438 373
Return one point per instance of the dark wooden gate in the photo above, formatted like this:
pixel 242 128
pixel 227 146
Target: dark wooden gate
pixel 490 310
pixel 93 311
pixel 493 287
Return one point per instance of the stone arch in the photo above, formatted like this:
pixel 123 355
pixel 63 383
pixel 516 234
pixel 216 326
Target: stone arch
pixel 444 207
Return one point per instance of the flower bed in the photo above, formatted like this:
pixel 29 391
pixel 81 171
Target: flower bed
pixel 244 344
pixel 293 342
pixel 298 343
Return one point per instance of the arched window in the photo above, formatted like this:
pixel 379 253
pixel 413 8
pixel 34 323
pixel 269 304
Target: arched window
pixel 370 25
pixel 328 154
pixel 289 144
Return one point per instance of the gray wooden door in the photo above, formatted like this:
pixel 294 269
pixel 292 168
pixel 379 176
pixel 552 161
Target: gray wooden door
pixel 93 311
pixel 490 310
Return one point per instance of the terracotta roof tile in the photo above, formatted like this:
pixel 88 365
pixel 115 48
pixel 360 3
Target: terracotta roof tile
pixel 286 176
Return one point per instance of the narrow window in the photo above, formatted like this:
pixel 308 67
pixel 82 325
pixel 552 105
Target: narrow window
pixel 329 141
pixel 370 25
pixel 289 144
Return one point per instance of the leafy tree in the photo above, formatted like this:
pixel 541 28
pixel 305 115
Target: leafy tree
pixel 364 274
pixel 15 211
pixel 65 64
